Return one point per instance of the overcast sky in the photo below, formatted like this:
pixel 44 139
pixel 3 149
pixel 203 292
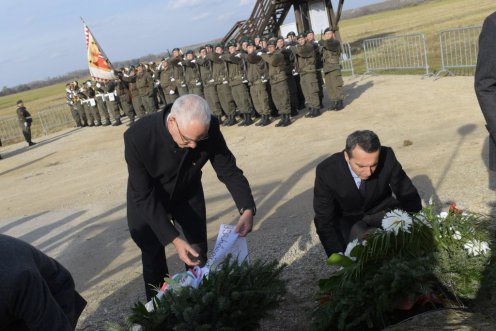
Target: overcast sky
pixel 45 38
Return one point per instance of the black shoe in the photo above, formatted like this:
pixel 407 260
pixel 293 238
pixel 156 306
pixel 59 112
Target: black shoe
pixel 265 121
pixel 259 123
pixel 285 121
pixel 310 113
pixel 339 105
pixel 231 120
pixel 243 119
pixel 107 123
pixel 117 123
pixel 248 121
pixel 31 143
pixel 333 105
pixel 316 112
pixel 98 124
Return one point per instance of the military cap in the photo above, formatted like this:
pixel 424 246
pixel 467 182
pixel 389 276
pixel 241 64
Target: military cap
pixel 175 49
pixel 165 58
pixel 280 38
pixel 219 45
pixel 291 33
pixel 243 39
pixel 18 102
pixel 328 29
pixel 231 43
pixel 251 42
pixel 272 42
pixel 131 68
pixel 189 51
pixel 201 48
pixel 302 35
pixel 263 39
pixel 256 36
pixel 270 35
pixel 309 31
pixel 209 45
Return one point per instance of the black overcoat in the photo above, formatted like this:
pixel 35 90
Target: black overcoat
pixel 162 176
pixel 338 204
pixel 485 82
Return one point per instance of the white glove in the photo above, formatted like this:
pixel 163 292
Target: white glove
pixel 172 79
pixel 180 63
pixel 193 61
pixel 288 47
pixel 26 124
pixel 171 92
pixel 238 55
pixel 259 53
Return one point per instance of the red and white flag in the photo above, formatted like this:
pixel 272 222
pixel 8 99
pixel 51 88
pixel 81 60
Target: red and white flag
pixel 100 67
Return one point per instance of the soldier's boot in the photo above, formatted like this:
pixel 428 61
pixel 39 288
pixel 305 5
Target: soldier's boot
pixel 333 105
pixel 294 112
pixel 117 122
pixel 310 113
pixel 265 121
pixel 98 123
pixel 243 119
pixel 248 121
pixel 339 105
pixel 254 113
pixel 316 112
pixel 285 121
pixel 231 120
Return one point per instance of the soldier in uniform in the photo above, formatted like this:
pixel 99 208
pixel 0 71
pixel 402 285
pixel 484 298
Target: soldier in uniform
pixel 257 79
pixel 192 74
pixel 77 103
pixel 124 96
pixel 178 70
pixel 139 109
pixel 305 57
pixel 220 77
pixel 72 106
pixel 289 57
pixel 278 82
pixel 331 53
pixel 209 86
pixel 90 104
pixel 236 68
pixel 318 63
pixel 25 121
pixel 164 74
pixel 144 84
pixel 111 101
pixel 100 102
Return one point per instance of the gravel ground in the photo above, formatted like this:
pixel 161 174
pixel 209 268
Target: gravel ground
pixel 66 195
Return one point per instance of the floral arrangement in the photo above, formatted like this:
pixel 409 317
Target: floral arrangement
pixel 414 263
pixel 234 296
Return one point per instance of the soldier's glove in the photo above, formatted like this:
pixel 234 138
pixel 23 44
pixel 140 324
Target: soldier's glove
pixel 180 63
pixel 26 124
pixel 193 61
pixel 259 53
pixel 171 92
pixel 238 55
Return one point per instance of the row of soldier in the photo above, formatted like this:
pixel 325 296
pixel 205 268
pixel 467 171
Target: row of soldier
pixel 262 77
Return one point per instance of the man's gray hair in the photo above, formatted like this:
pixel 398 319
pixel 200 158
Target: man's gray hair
pixel 191 107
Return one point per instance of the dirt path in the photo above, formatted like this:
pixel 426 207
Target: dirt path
pixel 66 195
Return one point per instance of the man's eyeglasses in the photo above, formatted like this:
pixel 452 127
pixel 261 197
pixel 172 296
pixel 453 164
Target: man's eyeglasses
pixel 187 140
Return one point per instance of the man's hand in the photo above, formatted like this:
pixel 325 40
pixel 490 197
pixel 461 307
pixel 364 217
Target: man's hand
pixel 186 253
pixel 245 223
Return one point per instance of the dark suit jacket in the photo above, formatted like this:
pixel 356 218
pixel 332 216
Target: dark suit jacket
pixel 161 175
pixel 338 203
pixel 36 292
pixel 485 82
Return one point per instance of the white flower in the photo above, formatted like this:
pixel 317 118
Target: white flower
pixel 457 235
pixel 443 214
pixel 397 220
pixel 476 247
pixel 422 218
pixel 349 248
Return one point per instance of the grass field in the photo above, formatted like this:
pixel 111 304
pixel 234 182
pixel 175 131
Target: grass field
pixel 429 18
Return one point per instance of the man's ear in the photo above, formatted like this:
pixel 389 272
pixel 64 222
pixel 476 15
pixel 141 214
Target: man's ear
pixel 346 157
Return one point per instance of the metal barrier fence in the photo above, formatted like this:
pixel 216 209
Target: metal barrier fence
pixel 57 117
pixel 459 48
pixel 347 59
pixel 10 131
pixel 404 52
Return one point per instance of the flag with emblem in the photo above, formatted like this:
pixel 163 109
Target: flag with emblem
pixel 100 67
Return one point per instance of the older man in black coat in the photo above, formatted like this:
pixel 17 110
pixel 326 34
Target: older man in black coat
pixel 485 82
pixel 165 153
pixel 354 189
pixel 36 292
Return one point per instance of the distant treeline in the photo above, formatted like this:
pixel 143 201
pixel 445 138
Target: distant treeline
pixel 79 74
pixel 379 7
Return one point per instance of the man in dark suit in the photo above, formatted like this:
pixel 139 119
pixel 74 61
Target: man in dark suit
pixel 485 82
pixel 165 153
pixel 354 189
pixel 36 292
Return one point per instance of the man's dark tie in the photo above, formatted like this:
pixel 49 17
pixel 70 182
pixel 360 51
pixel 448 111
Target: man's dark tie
pixel 361 188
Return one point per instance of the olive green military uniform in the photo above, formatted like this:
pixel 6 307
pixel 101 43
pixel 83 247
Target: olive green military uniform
pixel 331 53
pixel 100 102
pixel 305 55
pixel 111 101
pixel 209 86
pixel 193 78
pixel 76 98
pixel 73 108
pixel 139 109
pixel 236 77
pixel 278 82
pixel 289 57
pixel 220 77
pixel 318 70
pixel 90 107
pixel 144 83
pixel 124 97
pixel 167 86
pixel 25 121
pixel 178 78
pixel 257 78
